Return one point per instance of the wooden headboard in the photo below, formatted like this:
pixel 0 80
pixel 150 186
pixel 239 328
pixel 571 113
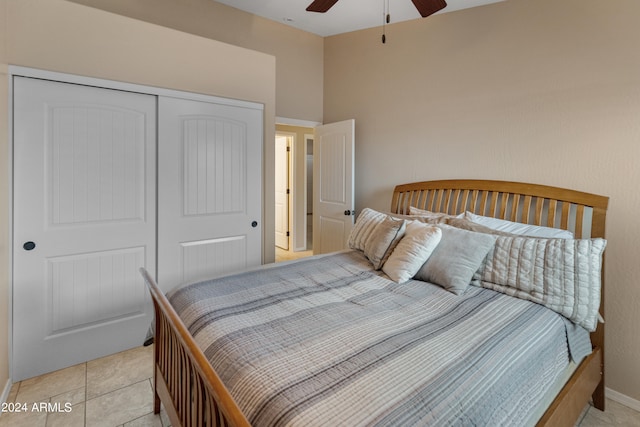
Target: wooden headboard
pixel 582 213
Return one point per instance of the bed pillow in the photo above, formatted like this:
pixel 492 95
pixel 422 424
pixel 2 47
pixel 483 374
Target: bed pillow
pixel 364 227
pixel 519 228
pixel 383 239
pixel 412 251
pixel 561 274
pixel 428 216
pixel 457 257
pixel 376 234
pixel 466 224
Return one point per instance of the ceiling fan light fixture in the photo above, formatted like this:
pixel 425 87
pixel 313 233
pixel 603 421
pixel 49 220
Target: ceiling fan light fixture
pixel 321 6
pixel 425 7
pixel 429 7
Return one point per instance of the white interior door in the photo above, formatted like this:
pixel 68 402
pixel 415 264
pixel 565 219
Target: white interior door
pixel 333 185
pixel 282 192
pixel 84 222
pixel 209 189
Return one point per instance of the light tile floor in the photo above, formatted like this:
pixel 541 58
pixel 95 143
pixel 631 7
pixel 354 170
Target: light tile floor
pixel 284 255
pixel 615 414
pixel 117 391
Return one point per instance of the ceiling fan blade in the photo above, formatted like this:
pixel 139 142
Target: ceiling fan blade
pixel 321 5
pixel 429 7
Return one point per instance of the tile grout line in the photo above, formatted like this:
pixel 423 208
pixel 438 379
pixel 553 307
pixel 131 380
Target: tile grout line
pixel 86 392
pixel 122 387
pixel 583 416
pixel 119 389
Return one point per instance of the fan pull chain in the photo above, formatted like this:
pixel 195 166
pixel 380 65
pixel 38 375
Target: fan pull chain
pixel 386 20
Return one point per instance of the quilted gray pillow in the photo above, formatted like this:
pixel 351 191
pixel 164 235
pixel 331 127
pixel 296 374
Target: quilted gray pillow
pixel 561 274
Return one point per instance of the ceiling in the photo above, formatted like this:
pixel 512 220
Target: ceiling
pixel 344 16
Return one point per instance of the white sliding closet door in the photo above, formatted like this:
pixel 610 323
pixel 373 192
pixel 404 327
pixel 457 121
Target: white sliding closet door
pixel 209 189
pixel 84 222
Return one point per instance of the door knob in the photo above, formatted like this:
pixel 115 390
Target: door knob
pixel 349 212
pixel 254 224
pixel 29 246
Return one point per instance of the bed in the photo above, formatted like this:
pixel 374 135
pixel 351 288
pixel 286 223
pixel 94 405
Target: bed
pixel 398 320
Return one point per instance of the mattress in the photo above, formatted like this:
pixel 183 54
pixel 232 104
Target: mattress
pixel 329 341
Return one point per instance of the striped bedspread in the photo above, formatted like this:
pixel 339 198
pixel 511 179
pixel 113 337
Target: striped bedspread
pixel 328 341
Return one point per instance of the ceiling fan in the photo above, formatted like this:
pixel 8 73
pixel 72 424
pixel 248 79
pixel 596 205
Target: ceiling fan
pixel 425 7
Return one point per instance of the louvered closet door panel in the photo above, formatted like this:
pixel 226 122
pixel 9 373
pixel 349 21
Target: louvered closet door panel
pixel 209 189
pixel 84 196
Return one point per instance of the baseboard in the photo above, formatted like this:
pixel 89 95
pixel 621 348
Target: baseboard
pixel 5 392
pixel 622 399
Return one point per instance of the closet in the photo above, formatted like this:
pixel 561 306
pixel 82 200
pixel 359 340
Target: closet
pixel 107 180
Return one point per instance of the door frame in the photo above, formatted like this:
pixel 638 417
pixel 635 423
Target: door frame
pixel 291 185
pixel 298 157
pixel 308 188
pixel 15 70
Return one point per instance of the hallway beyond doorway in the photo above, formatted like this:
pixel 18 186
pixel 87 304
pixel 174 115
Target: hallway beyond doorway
pixel 282 255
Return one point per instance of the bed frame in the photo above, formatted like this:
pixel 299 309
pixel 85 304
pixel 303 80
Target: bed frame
pixel 193 394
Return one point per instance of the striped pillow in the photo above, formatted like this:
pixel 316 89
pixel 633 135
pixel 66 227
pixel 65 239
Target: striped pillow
pixel 383 240
pixel 376 234
pixel 365 224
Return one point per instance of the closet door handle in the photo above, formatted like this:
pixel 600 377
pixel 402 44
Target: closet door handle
pixel 254 224
pixel 29 246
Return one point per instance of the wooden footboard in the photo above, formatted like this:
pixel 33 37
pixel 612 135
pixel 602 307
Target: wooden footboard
pixel 569 404
pixel 193 394
pixel 184 381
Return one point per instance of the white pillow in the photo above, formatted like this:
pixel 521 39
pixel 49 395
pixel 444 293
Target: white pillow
pixel 428 216
pixel 412 251
pixel 518 228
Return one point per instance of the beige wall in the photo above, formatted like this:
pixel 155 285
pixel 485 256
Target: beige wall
pixel 61 36
pixel 299 69
pixel 544 91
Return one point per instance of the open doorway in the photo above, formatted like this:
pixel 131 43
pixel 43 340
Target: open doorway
pixel 283 190
pixel 294 223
